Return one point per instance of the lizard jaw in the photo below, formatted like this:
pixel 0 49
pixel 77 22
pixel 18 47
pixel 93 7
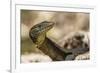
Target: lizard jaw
pixel 47 25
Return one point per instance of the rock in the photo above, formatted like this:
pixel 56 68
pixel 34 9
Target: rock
pixel 79 39
pixel 84 56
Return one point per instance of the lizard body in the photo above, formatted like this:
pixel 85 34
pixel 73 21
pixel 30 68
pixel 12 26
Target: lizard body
pixel 47 46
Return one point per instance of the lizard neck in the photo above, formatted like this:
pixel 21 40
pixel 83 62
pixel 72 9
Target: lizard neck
pixel 52 50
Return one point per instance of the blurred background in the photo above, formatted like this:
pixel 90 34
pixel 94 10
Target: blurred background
pixel 66 23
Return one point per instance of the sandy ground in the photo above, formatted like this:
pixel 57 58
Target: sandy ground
pixel 34 57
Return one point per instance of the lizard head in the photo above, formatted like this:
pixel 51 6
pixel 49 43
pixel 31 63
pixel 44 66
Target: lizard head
pixel 38 32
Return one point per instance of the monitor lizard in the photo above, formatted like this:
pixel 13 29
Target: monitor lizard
pixel 57 53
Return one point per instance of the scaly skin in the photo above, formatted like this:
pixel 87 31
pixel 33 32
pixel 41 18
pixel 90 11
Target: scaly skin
pixel 47 46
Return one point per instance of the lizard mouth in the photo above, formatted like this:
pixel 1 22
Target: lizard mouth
pixel 45 26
